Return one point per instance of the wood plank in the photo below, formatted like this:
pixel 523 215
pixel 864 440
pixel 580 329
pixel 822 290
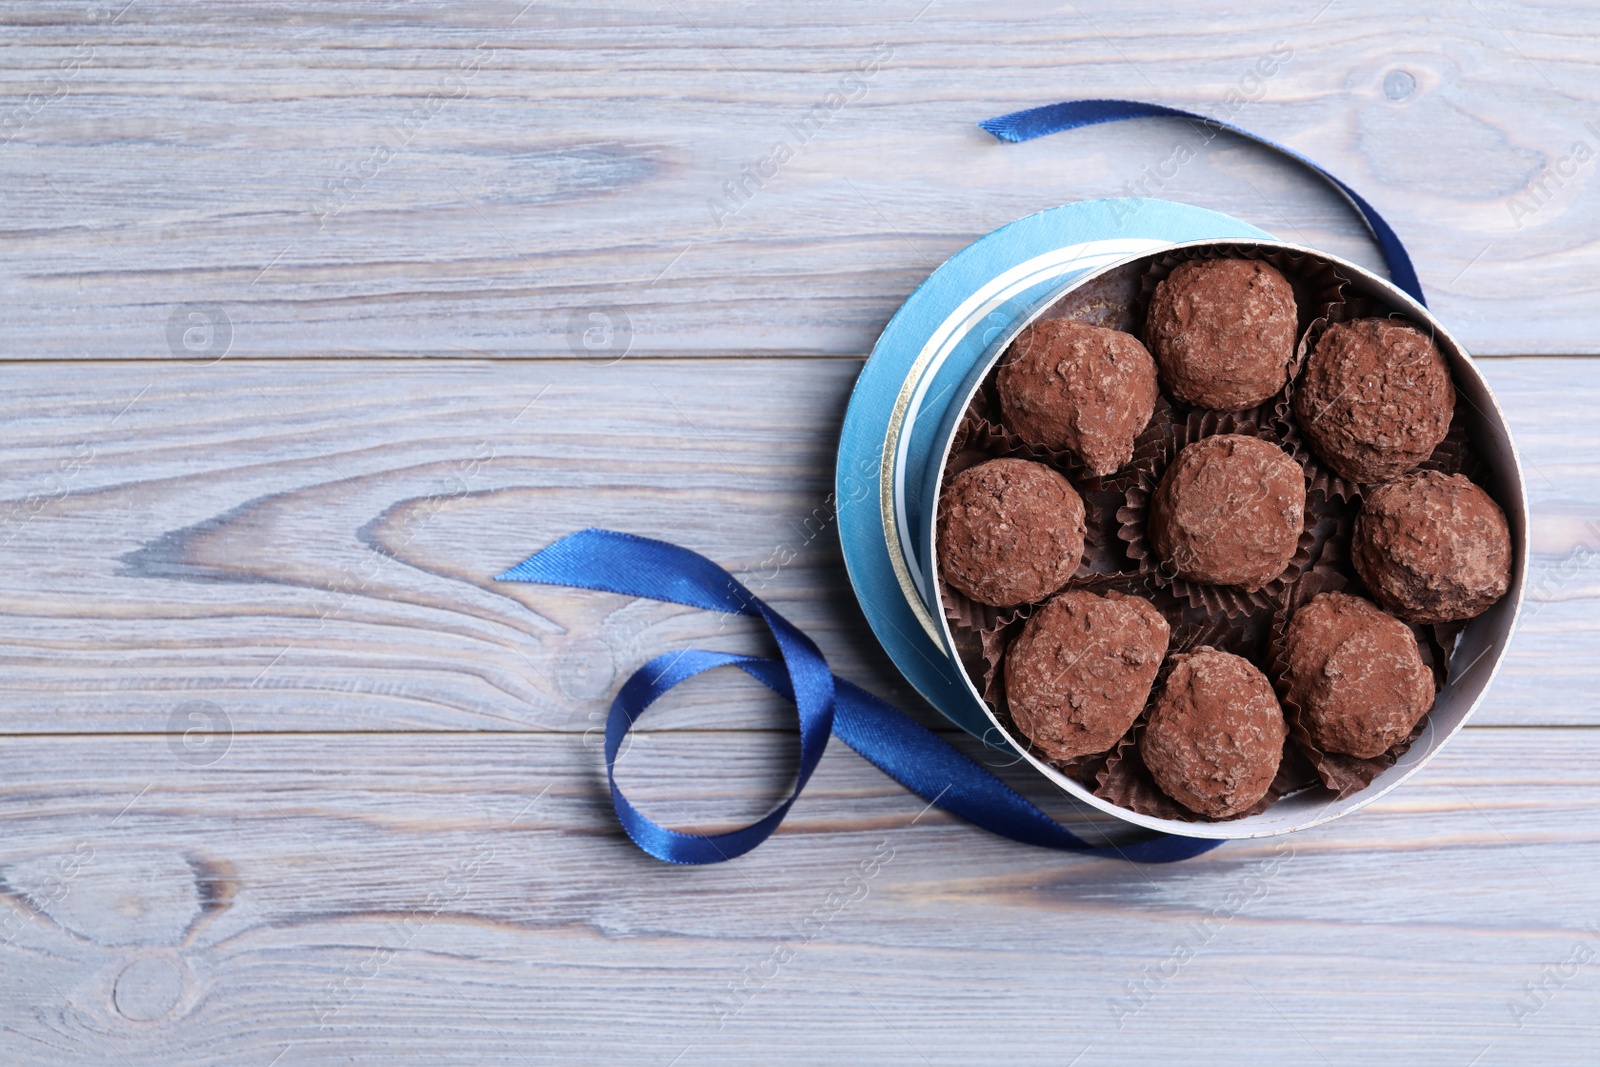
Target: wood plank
pixel 469 899
pixel 313 550
pixel 290 780
pixel 180 158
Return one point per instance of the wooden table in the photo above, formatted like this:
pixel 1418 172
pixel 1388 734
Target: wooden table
pixel 295 298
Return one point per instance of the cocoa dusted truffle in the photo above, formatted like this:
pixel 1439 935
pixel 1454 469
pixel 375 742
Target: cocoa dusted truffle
pixel 1229 511
pixel 1223 332
pixel 1081 670
pixel 1069 385
pixel 1375 399
pixel 1432 547
pixel 1215 735
pixel 1010 531
pixel 1357 674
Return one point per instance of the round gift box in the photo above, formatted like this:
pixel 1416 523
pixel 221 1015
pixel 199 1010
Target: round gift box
pixel 931 359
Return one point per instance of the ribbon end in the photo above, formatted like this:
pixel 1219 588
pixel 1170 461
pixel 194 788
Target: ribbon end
pixel 526 571
pixel 1001 129
pixel 532 569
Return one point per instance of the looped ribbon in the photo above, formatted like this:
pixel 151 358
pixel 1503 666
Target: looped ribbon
pixel 1073 114
pixel 826 704
pixel 892 741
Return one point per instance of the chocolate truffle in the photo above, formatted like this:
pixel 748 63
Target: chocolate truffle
pixel 1081 670
pixel 1375 399
pixel 1215 735
pixel 1432 547
pixel 1229 511
pixel 1223 332
pixel 1010 531
pixel 1357 674
pixel 1069 385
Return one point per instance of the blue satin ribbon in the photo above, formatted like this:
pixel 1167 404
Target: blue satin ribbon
pixel 1072 114
pixel 897 745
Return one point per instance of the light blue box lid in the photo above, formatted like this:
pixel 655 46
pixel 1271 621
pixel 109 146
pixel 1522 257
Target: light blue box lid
pixel 918 378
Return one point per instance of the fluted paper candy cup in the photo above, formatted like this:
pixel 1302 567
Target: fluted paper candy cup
pixel 928 367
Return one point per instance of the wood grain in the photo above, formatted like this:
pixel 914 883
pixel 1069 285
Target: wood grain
pixel 472 901
pixel 476 179
pixel 290 780
pixel 314 551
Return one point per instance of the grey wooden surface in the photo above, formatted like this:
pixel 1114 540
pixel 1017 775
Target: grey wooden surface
pixel 288 780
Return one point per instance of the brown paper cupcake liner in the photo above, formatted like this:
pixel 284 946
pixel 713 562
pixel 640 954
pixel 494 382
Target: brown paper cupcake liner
pixel 977 440
pixel 1331 569
pixel 969 616
pixel 975 416
pixel 1331 521
pixel 1148 447
pixel 1323 577
pixel 1133 519
pixel 1125 781
pixel 1342 774
pixel 1435 654
pixel 980 440
pixel 1111 300
pixel 1099 553
pixel 995 639
pixel 1455 454
pixel 994 644
pixel 1319 287
pixel 1189 632
pixel 964 459
pixel 1451 456
pixel 1440 648
pixel 1320 290
pixel 985 404
pixel 971 421
pixel 969 651
pixel 1102 552
pixel 1123 778
pixel 1320 478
